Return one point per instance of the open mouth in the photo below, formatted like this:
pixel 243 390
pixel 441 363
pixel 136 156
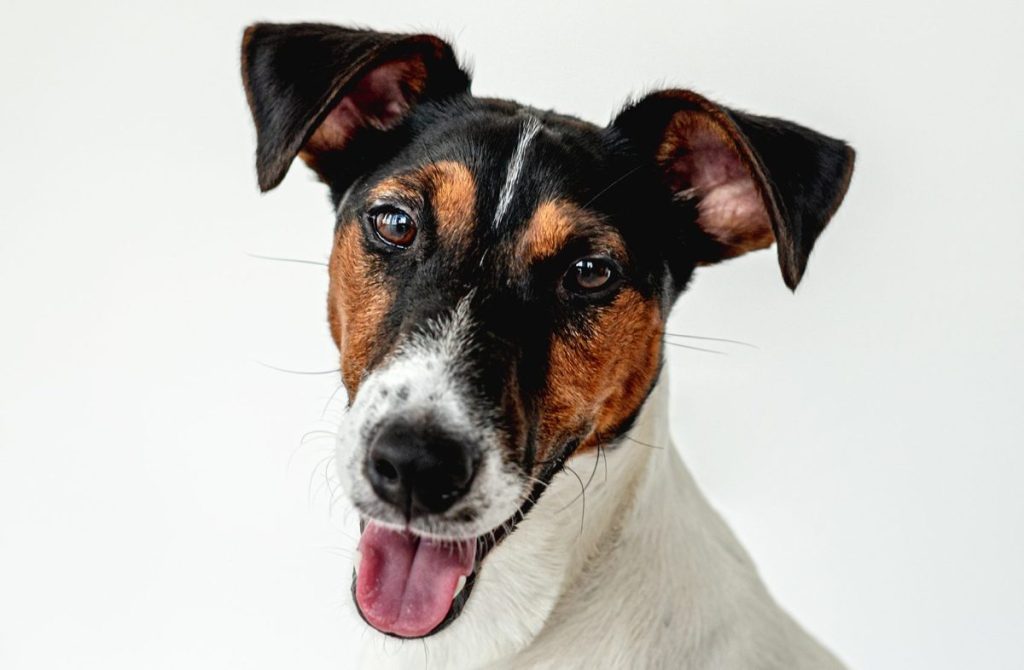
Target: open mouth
pixel 409 586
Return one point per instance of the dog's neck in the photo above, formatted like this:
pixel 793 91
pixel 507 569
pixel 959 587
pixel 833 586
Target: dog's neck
pixel 622 563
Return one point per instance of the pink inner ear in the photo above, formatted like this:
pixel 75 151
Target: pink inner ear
pixel 380 99
pixel 706 165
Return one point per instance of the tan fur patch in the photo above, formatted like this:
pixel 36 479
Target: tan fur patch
pixel 358 299
pixel 598 379
pixel 453 195
pixel 554 223
pixel 356 304
pixel 402 187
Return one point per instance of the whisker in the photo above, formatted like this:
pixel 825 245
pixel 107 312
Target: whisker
pixel 322 484
pixel 633 439
pixel 334 395
pixel 711 339
pixel 309 441
pixel 303 441
pixel 310 494
pixel 609 186
pixel 338 551
pixel 286 260
pixel 317 432
pixel 536 480
pixel 327 480
pixel 545 461
pixel 299 372
pixel 693 348
pixel 336 497
pixel 597 458
pixel 583 493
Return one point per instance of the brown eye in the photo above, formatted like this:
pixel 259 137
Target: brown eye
pixel 393 225
pixel 589 275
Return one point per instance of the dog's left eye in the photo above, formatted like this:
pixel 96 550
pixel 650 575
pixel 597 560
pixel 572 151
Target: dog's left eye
pixel 590 275
pixel 393 225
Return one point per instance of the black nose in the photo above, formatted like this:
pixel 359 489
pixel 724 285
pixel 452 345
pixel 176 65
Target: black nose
pixel 419 469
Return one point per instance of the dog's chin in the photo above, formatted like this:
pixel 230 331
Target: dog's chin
pixel 408 585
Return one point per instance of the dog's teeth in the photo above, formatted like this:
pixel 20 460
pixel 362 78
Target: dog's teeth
pixel 357 560
pixel 459 586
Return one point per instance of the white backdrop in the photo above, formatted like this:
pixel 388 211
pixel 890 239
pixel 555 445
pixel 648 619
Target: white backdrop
pixel 156 507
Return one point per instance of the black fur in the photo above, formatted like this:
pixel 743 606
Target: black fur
pixel 295 75
pixel 516 315
pixel 804 174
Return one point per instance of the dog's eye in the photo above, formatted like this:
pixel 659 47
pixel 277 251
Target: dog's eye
pixel 590 275
pixel 393 225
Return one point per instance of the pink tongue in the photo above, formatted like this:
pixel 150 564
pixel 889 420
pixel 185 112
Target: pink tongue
pixel 405 584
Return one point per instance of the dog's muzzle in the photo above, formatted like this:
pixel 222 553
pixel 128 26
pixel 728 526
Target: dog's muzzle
pixel 405 584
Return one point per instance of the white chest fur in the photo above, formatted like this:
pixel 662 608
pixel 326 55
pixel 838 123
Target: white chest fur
pixel 648 576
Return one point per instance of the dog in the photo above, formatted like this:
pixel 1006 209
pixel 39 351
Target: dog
pixel 500 281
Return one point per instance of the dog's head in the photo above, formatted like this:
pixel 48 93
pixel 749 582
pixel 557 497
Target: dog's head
pixel 501 276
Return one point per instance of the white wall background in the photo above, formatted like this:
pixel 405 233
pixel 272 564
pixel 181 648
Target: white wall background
pixel 156 507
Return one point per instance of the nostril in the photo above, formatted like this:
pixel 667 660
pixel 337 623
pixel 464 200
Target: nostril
pixel 419 468
pixel 385 469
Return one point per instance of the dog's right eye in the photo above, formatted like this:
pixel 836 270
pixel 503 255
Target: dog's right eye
pixel 590 276
pixel 393 225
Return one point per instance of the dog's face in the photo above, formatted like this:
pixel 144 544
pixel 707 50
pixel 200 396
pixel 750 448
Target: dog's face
pixel 501 276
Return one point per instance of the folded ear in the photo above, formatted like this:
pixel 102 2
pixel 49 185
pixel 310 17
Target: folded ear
pixel 754 180
pixel 320 91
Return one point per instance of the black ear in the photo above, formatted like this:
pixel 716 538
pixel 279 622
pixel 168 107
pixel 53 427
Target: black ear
pixel 754 179
pixel 323 91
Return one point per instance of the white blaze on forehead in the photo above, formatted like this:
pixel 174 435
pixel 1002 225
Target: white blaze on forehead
pixel 515 167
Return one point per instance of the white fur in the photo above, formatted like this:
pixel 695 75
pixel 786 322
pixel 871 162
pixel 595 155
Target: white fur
pixel 652 578
pixel 515 167
pixel 423 378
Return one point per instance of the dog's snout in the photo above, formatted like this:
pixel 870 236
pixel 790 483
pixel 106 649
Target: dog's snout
pixel 419 469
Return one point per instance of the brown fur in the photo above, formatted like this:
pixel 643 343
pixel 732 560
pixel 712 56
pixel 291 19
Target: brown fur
pixel 555 222
pixel 598 380
pixel 356 304
pixel 406 188
pixel 452 191
pixel 546 232
pixel 357 299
